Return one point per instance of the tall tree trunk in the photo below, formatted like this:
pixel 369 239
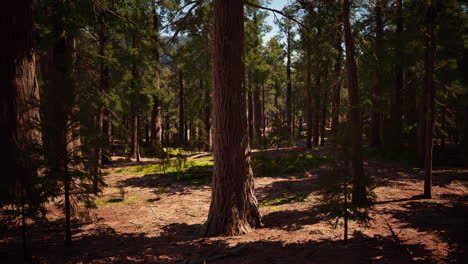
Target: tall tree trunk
pixel 309 106
pixel 289 85
pixel 396 105
pixel 337 89
pixel 376 121
pixel 234 207
pixel 430 88
pixel 156 128
pixel 182 132
pixel 19 112
pixel 104 88
pixel 56 67
pixel 359 194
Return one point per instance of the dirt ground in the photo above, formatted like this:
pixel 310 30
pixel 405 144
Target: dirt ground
pixel 161 222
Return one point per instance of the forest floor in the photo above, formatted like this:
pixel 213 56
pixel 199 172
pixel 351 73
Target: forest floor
pixel 145 217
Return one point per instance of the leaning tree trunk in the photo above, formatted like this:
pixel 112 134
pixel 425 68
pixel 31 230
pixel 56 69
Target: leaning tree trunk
pixel 376 120
pixel 359 196
pixel 430 88
pixel 234 207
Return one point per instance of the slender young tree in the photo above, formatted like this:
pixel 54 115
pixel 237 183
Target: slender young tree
pixel 336 94
pixel 376 121
pixel 359 195
pixel 155 127
pixel 234 207
pixel 396 102
pixel 430 88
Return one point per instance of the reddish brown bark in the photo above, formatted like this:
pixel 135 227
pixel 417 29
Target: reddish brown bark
pixel 234 207
pixel 359 194
pixel 430 88
pixel 19 111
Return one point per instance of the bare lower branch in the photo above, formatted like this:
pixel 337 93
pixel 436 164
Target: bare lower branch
pixel 278 12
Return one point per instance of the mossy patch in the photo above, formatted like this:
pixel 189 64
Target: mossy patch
pixel 283 200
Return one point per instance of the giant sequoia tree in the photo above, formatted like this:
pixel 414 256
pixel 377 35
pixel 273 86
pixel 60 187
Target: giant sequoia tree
pixel 19 116
pixel 234 207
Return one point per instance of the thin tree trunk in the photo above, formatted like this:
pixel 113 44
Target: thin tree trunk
pixel 257 113
pixel 156 128
pixel 359 194
pixel 323 122
pixel 337 89
pixel 289 85
pixel 430 88
pixel 317 107
pixel 443 122
pixel 309 111
pixel 59 93
pixel 375 140
pixel 182 131
pixel 208 99
pixel 396 105
pixel 250 114
pixel 135 146
pixel 263 116
pixel 234 207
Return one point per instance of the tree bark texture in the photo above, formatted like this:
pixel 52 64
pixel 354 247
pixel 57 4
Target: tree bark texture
pixel 430 88
pixel 234 207
pixel 359 193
